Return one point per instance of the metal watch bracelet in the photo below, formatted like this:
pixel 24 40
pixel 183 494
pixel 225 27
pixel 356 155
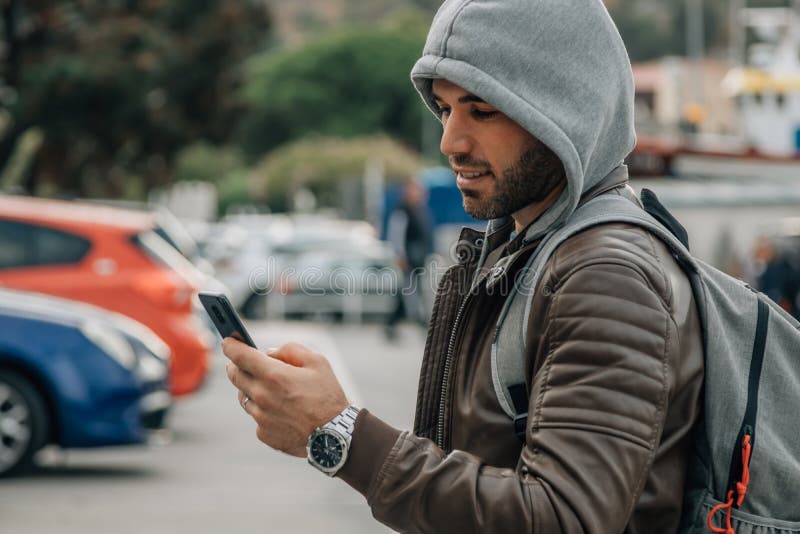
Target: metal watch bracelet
pixel 345 422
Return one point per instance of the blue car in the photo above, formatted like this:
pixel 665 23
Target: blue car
pixel 75 375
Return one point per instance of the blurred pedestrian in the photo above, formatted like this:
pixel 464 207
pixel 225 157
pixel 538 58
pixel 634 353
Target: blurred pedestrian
pixel 409 232
pixel 779 275
pixel 536 104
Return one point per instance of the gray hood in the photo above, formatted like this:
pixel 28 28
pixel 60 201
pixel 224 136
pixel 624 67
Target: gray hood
pixel 556 67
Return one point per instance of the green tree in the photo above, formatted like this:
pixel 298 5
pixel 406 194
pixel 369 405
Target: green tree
pixel 350 83
pixel 118 87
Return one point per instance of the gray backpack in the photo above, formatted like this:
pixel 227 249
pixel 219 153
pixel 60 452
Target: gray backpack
pixel 745 472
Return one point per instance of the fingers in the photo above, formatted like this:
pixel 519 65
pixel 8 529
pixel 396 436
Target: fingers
pixel 243 356
pixel 266 391
pixel 295 354
pixel 258 377
pixel 251 360
pixel 250 406
pixel 244 382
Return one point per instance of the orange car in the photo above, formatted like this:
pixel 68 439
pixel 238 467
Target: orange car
pixel 112 258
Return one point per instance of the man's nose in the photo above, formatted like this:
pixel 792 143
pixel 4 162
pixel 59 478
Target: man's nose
pixel 455 136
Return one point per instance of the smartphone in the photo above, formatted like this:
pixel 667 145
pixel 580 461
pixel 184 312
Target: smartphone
pixel 225 317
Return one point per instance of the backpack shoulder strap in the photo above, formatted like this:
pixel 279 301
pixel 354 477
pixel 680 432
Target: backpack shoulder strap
pixel 509 353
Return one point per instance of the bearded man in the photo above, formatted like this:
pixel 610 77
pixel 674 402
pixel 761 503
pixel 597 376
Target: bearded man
pixel 536 103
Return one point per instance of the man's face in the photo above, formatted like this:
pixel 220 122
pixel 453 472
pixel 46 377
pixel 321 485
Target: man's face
pixel 500 167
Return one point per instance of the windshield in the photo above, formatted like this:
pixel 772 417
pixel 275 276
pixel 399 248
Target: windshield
pixel 162 252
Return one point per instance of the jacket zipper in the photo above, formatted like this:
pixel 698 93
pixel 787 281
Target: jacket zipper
pixel 446 373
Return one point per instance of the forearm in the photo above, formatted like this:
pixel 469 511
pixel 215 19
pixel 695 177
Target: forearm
pixel 412 486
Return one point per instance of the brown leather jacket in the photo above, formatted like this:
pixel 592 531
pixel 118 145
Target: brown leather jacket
pixel 615 387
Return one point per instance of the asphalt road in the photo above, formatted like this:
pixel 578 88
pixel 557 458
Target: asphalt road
pixel 212 475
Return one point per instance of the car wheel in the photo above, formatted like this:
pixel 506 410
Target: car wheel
pixel 23 422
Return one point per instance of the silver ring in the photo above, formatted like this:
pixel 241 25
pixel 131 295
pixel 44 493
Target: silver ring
pixel 244 403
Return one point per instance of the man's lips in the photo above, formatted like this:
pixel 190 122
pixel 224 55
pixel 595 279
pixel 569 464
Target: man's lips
pixel 466 177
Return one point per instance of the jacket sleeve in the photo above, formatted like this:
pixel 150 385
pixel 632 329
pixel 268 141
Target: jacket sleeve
pixel 596 413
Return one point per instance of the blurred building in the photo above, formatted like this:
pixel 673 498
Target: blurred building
pixel 767 90
pixel 718 108
pixel 676 95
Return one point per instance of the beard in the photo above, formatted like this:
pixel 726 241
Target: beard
pixel 531 179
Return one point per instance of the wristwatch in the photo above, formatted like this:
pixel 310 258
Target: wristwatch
pixel 328 445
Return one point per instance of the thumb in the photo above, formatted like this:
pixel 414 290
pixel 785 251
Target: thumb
pixel 294 354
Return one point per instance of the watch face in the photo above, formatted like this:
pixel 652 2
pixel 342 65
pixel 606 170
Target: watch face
pixel 327 450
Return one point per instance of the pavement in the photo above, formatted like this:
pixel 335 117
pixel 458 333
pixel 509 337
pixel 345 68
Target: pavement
pixel 210 474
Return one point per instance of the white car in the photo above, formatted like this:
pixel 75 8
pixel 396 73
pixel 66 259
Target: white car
pixel 348 279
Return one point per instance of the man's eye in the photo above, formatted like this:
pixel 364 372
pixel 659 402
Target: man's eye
pixel 442 111
pixel 484 114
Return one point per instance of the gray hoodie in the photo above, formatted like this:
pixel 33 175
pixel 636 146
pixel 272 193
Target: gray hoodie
pixel 556 67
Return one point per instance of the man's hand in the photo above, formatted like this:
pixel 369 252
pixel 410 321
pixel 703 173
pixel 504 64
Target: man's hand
pixel 292 391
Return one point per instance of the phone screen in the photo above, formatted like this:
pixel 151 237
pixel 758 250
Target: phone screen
pixel 225 317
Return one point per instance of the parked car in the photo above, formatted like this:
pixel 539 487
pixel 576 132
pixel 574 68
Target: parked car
pixel 348 274
pixel 112 258
pixel 166 225
pixel 236 253
pixel 75 375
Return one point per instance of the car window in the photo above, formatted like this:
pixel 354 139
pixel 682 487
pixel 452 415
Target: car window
pixel 166 237
pixel 14 249
pixel 23 245
pixel 161 251
pixel 175 233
